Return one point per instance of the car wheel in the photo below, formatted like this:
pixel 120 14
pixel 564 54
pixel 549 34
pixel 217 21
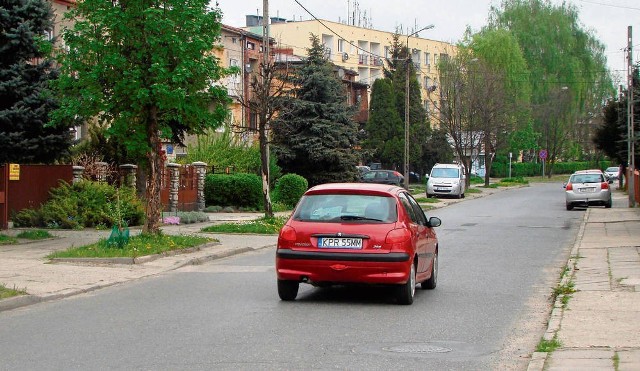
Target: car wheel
pixel 608 204
pixel 569 207
pixel 431 283
pixel 429 196
pixel 463 195
pixel 407 291
pixel 288 290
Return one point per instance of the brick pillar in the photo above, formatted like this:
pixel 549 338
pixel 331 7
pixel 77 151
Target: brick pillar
pixel 77 174
pixel 174 184
pixel 128 175
pixel 201 171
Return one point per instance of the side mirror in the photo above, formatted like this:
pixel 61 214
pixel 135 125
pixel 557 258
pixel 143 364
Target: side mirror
pixel 434 221
pixel 564 185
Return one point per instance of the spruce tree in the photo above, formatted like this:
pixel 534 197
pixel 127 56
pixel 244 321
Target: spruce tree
pixel 315 135
pixel 385 129
pixel 25 97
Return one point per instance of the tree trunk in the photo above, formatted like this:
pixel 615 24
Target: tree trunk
pixel 155 162
pixel 264 168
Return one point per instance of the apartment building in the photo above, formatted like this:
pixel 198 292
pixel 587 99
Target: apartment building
pixel 360 49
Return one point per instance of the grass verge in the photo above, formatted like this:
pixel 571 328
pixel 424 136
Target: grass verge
pixel 7 240
pixel 6 292
pixel 473 190
pixel 36 234
pixel 262 225
pixel 424 200
pixel 512 182
pixel 141 245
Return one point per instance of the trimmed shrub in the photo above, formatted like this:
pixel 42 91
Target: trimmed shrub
pixel 289 188
pixel 84 204
pixel 240 190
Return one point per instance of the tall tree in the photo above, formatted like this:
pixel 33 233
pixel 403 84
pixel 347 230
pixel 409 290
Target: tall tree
pixel 385 138
pixel 146 69
pixel 419 126
pixel 25 72
pixel 315 134
pixel 561 56
pixel 500 90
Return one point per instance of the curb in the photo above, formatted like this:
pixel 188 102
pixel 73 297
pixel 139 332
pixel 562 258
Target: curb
pixel 539 359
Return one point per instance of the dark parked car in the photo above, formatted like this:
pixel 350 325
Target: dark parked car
pixel 382 177
pixel 354 233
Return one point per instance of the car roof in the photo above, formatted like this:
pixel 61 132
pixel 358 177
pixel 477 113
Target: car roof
pixel 447 165
pixel 350 188
pixel 590 171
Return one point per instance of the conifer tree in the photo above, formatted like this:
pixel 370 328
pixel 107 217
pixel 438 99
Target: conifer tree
pixel 25 97
pixel 315 134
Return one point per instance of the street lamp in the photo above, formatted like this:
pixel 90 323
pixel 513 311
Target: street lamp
pixel 406 111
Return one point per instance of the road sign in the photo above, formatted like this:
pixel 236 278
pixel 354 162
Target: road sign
pixel 543 154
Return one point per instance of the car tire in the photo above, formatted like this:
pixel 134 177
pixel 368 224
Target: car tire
pixel 569 207
pixel 407 291
pixel 431 283
pixel 463 195
pixel 608 204
pixel 288 290
pixel 429 196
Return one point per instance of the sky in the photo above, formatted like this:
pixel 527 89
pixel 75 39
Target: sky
pixel 606 19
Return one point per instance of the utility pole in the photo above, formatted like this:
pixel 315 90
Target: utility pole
pixel 630 132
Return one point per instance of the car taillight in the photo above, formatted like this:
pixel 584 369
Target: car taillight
pixel 288 234
pixel 397 173
pixel 397 236
pixel 569 187
pixel 604 185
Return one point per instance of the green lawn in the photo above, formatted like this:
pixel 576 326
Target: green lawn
pixel 141 245
pixel 259 226
pixel 8 293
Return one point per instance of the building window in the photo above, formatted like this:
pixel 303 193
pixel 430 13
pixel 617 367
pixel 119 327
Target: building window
pixel 250 45
pixel 435 59
pixel 427 108
pixel 340 45
pixel 253 121
pixel 234 40
pixel 427 59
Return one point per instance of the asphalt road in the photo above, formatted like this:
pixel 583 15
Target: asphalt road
pixel 499 258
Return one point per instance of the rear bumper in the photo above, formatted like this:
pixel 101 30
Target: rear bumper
pixel 328 267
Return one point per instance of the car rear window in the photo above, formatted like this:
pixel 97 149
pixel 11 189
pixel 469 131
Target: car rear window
pixel 346 208
pixel 587 178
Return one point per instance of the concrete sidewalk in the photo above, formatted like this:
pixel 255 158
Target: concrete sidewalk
pixel 599 326
pixel 24 266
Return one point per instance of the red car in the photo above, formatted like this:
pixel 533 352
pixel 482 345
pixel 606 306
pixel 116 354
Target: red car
pixel 346 233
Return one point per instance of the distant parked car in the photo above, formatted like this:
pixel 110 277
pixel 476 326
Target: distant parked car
pixel 354 233
pixel 362 169
pixel 586 188
pixel 612 173
pixel 383 177
pixel 446 180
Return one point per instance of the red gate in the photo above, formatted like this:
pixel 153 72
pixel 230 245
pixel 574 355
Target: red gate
pixel 28 186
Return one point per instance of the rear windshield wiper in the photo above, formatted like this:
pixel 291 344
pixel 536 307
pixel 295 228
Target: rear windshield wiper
pixel 356 217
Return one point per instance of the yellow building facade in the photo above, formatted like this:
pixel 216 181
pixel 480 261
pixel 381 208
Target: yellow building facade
pixel 364 50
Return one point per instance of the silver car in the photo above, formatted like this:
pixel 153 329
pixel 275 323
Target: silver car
pixel 612 172
pixel 588 187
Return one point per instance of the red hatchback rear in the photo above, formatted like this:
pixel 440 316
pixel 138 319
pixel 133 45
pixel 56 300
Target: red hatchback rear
pixel 347 233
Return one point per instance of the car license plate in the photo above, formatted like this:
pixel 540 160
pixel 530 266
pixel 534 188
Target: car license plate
pixel 339 243
pixel 588 190
pixel 440 189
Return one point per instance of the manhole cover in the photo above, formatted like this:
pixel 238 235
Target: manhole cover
pixel 417 348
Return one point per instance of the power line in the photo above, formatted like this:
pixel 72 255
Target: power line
pixel 609 5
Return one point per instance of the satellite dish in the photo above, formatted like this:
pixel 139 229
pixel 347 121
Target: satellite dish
pixel 345 56
pixel 340 73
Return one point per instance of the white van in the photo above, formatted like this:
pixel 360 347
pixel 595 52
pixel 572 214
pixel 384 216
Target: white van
pixel 446 180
